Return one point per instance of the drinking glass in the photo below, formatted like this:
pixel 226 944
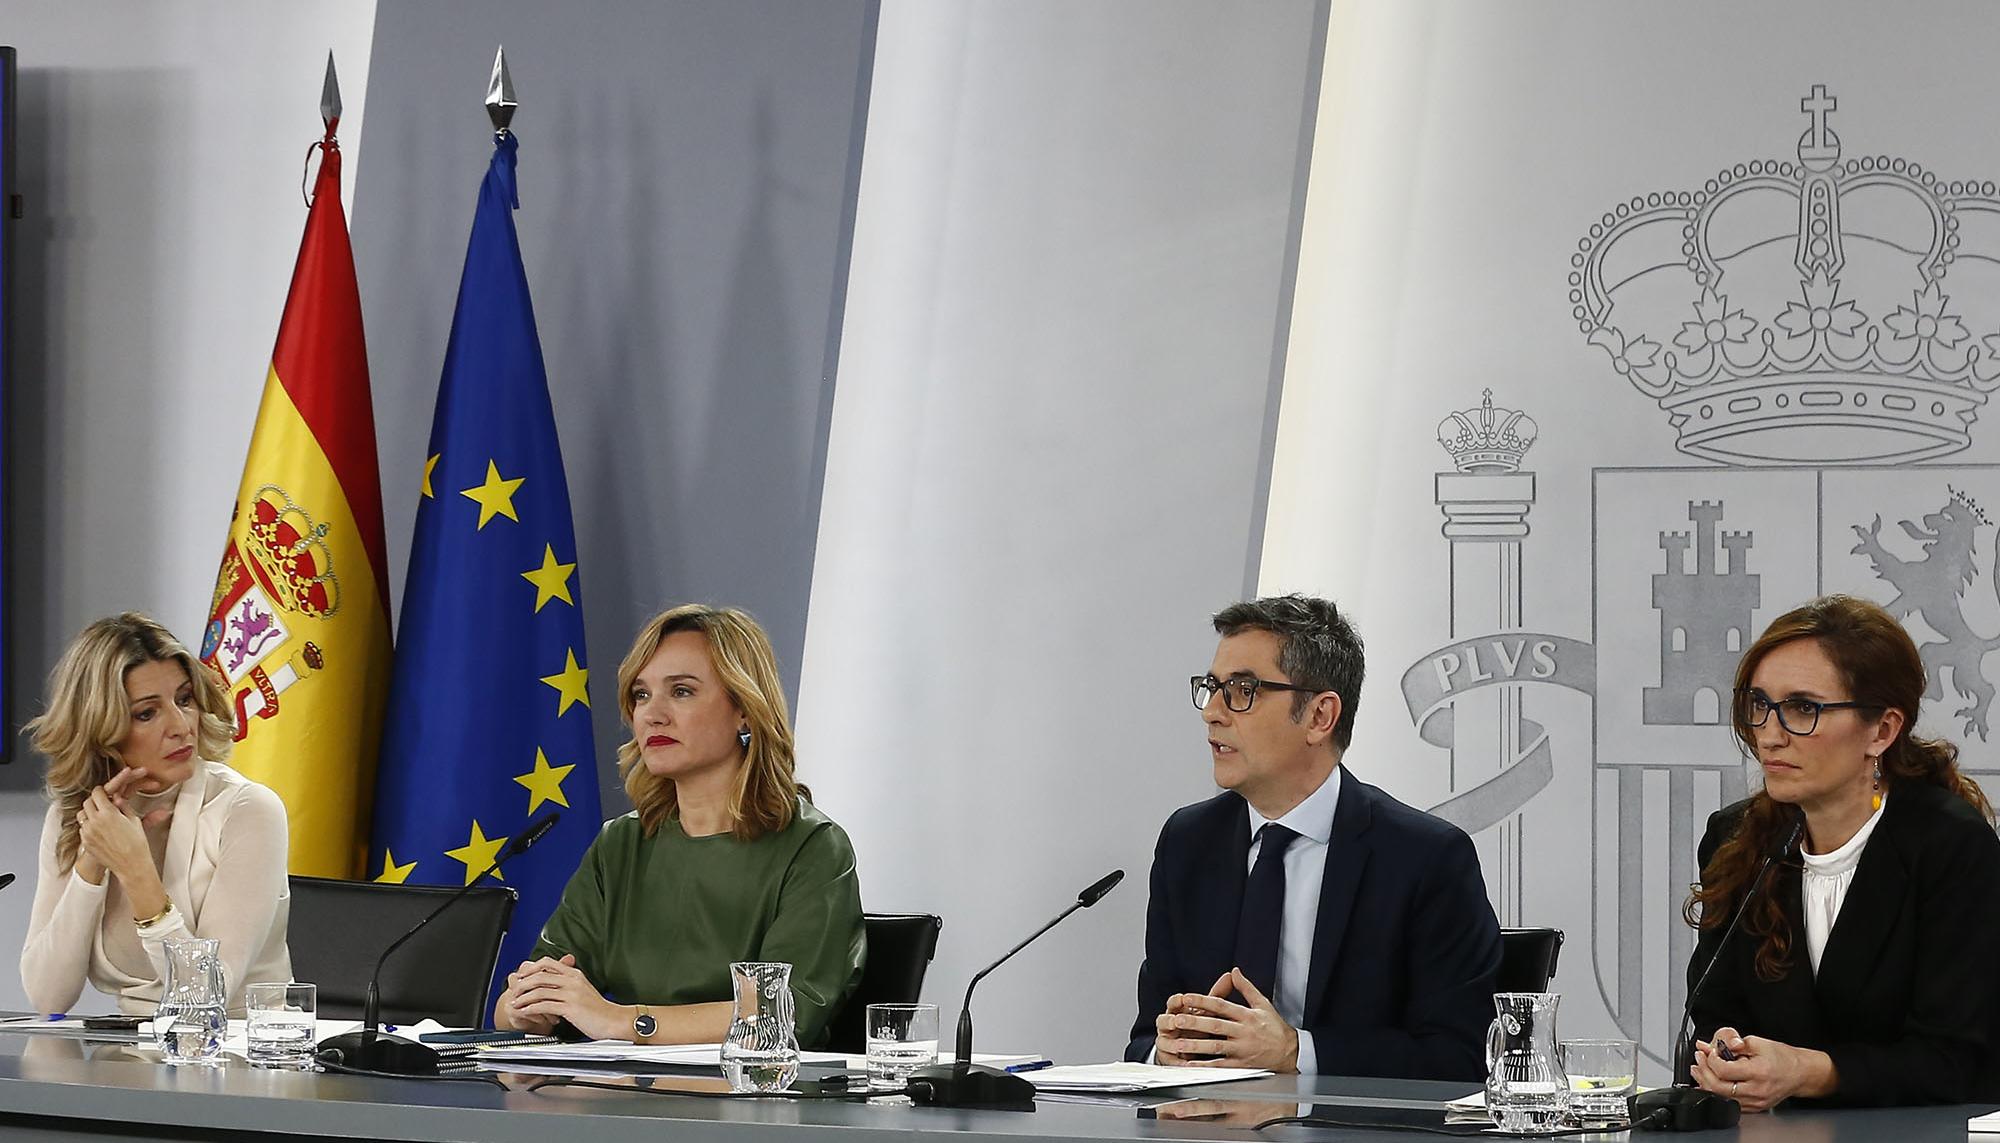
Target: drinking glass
pixel 761 1052
pixel 280 1024
pixel 901 1039
pixel 193 1002
pixel 1602 1073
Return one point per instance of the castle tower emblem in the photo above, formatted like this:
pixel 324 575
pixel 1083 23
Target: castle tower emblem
pixel 1796 311
pixel 1704 621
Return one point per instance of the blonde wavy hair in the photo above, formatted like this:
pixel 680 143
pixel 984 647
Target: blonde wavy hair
pixel 766 792
pixel 88 712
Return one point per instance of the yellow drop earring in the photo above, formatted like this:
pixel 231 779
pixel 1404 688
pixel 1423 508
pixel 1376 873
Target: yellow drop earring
pixel 1875 802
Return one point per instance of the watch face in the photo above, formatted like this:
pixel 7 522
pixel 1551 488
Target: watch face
pixel 643 1024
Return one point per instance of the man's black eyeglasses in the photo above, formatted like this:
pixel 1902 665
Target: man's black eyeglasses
pixel 1797 715
pixel 1238 692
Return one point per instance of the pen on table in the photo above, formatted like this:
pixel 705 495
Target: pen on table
pixel 1036 1066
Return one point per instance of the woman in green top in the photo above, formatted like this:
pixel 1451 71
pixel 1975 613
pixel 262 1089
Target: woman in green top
pixel 724 859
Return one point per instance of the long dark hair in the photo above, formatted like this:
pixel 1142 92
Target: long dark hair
pixel 1879 664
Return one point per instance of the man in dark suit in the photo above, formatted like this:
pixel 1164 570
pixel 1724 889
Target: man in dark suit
pixel 1303 920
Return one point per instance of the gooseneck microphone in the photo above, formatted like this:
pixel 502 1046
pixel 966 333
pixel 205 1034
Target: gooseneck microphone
pixel 378 1051
pixel 1685 1107
pixel 965 1084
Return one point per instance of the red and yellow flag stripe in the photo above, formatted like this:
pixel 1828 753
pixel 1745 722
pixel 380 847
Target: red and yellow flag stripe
pixel 298 628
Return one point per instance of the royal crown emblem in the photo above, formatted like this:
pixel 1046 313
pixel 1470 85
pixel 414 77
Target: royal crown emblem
pixel 290 549
pixel 1487 439
pixel 1797 311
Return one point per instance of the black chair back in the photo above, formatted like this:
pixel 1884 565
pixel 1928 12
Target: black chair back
pixel 339 928
pixel 1527 959
pixel 900 947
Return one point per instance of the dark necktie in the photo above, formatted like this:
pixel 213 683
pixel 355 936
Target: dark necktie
pixel 1263 911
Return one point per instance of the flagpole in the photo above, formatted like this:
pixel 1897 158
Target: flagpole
pixel 500 101
pixel 329 98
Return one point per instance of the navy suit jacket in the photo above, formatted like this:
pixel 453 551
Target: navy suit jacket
pixel 1404 951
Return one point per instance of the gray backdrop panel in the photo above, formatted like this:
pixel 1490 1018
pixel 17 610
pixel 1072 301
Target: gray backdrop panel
pixel 687 177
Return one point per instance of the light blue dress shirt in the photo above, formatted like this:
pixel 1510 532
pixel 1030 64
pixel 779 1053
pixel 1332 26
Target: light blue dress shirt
pixel 1305 869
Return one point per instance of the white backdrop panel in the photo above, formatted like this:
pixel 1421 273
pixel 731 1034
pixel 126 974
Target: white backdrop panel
pixel 1068 273
pixel 1533 198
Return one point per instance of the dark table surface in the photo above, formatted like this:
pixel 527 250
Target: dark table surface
pixel 60 1088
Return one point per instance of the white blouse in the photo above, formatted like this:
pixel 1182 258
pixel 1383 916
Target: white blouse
pixel 222 863
pixel 1823 886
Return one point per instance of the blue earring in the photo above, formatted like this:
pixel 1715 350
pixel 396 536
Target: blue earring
pixel 743 738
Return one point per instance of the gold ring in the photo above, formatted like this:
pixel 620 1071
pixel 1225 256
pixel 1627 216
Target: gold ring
pixel 1733 1086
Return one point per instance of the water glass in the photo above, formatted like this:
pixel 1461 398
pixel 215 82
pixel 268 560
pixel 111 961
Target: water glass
pixel 901 1039
pixel 1602 1074
pixel 280 1025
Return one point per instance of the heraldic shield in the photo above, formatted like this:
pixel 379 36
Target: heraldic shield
pixel 1690 566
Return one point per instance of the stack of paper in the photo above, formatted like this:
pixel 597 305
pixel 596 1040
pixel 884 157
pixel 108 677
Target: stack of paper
pixel 614 1058
pixel 66 1026
pixel 1987 1124
pixel 1130 1077
pixel 1468 1109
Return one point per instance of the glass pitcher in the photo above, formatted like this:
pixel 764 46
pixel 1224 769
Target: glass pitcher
pixel 194 1001
pixel 761 1052
pixel 1526 1089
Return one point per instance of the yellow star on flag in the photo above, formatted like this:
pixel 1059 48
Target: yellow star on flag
pixel 496 496
pixel 570 683
pixel 477 854
pixel 544 782
pixel 430 466
pixel 392 873
pixel 551 581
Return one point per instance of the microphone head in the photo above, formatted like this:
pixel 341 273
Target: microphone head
pixel 6 879
pixel 536 830
pixel 1099 888
pixel 1792 836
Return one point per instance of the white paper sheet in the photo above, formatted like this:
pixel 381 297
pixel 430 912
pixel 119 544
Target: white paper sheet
pixel 1125 1076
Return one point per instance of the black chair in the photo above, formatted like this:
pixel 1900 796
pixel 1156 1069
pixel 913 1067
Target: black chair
pixel 339 928
pixel 1527 959
pixel 900 947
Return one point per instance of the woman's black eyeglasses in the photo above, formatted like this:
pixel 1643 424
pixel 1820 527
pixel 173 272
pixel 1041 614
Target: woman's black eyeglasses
pixel 1797 715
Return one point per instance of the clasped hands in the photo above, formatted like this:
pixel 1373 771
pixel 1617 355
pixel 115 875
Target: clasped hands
pixel 1759 1073
pixel 112 835
pixel 1208 1030
pixel 541 992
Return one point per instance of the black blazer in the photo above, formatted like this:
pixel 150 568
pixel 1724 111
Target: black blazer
pixel 1404 951
pixel 1905 1000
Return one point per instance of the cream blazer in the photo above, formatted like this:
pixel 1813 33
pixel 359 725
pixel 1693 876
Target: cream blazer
pixel 224 871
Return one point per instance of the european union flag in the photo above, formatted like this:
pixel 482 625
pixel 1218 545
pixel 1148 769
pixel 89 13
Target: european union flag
pixel 489 719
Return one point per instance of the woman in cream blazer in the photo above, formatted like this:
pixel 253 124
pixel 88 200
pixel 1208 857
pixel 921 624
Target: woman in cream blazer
pixel 149 836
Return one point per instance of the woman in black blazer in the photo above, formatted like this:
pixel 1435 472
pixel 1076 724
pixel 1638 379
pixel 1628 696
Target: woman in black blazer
pixel 1864 970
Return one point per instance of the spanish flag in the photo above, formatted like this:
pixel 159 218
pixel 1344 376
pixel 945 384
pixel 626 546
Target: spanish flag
pixel 298 630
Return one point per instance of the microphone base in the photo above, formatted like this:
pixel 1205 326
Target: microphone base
pixel 1682 1109
pixel 381 1052
pixel 971 1086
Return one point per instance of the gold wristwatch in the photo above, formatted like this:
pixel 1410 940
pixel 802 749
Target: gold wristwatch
pixel 643 1024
